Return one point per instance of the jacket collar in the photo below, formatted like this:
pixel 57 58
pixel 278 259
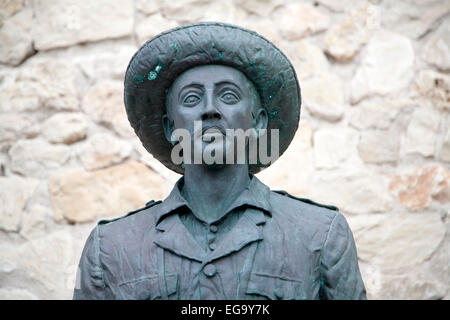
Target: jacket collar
pixel 256 195
pixel 177 239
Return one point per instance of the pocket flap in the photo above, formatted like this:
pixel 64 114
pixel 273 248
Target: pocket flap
pixel 147 287
pixel 275 287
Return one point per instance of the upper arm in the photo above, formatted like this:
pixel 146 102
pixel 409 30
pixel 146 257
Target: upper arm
pixel 340 275
pixel 90 283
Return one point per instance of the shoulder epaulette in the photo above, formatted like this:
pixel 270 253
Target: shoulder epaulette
pixel 147 205
pixel 309 201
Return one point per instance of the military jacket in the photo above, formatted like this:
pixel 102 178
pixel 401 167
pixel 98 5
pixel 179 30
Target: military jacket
pixel 279 247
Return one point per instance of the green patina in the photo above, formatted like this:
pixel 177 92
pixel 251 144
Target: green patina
pixel 273 114
pixel 138 79
pixel 152 75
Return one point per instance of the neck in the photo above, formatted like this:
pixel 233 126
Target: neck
pixel 210 191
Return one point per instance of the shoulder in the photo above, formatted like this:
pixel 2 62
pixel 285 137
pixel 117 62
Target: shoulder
pixel 285 204
pixel 294 213
pixel 130 224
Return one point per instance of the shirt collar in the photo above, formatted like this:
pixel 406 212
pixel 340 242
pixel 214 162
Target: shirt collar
pixel 256 195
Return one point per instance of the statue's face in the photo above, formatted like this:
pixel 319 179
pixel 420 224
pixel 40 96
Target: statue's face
pixel 220 97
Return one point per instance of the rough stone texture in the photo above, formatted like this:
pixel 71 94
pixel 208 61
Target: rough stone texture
pixel 104 103
pixel 376 234
pixel 334 147
pixel 63 23
pixel 444 153
pixel 324 97
pixel 300 20
pixel 14 126
pixel 82 196
pixel 103 150
pixel 43 83
pixel 381 116
pixel 299 158
pixel 422 131
pixel 437 50
pixel 345 39
pixel 151 26
pixel 434 87
pixel 411 18
pixel 15 32
pixel 386 66
pixel 353 192
pixel 307 58
pixel 379 146
pixel 65 128
pixel 14 196
pixel 373 137
pixel 418 188
pixel 36 157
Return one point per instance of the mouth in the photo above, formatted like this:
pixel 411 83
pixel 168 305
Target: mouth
pixel 209 132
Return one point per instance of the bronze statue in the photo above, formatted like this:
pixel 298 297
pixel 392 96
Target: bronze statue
pixel 221 233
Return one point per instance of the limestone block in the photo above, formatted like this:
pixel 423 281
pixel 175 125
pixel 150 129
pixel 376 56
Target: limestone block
pixel 355 191
pixel 14 195
pixel 103 150
pixel 397 240
pixel 36 157
pixel 379 146
pixel 422 132
pixel 386 67
pixel 17 43
pixel 41 83
pixel 334 147
pixel 323 97
pixel 373 115
pixel 437 50
pixel 104 104
pixel 417 188
pixel 82 196
pixel 434 87
pixel 15 126
pixel 298 20
pixel 64 23
pixel 262 8
pixel 307 58
pixel 65 128
pixel 151 26
pixel 344 40
pixel 444 153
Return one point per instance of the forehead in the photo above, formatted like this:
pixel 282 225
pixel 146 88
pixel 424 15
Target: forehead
pixel 210 75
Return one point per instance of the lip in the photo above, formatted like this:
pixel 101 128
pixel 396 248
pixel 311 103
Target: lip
pixel 213 129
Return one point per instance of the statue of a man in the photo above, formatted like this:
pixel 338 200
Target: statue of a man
pixel 221 233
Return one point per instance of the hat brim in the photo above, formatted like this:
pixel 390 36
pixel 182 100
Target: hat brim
pixel 155 66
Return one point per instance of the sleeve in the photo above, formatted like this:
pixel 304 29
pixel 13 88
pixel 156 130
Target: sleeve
pixel 340 277
pixel 90 282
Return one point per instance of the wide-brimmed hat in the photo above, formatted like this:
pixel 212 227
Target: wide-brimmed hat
pixel 155 66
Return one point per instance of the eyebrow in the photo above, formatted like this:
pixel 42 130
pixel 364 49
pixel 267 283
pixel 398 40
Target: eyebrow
pixel 227 82
pixel 191 84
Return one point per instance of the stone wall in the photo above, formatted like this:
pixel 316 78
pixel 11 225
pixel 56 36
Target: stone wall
pixel 374 134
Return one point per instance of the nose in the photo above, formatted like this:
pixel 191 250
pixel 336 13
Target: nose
pixel 210 110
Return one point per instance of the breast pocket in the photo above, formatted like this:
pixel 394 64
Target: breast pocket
pixel 275 287
pixel 148 287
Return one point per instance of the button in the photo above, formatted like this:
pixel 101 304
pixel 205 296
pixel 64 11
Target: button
pixel 213 228
pixel 212 246
pixel 209 270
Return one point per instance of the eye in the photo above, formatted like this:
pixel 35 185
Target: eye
pixel 229 98
pixel 191 100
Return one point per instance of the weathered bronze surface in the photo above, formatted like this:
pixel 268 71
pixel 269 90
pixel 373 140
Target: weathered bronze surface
pixel 221 233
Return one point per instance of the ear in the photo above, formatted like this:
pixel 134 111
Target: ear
pixel 260 120
pixel 168 128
